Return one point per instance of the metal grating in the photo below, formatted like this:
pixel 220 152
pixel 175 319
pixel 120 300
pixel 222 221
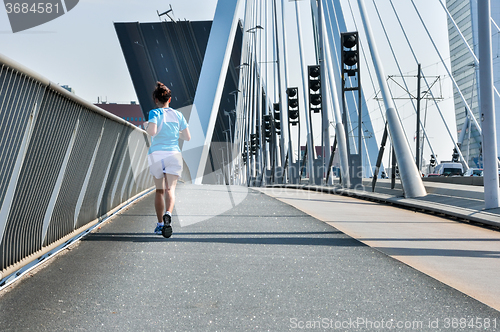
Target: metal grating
pixel 17 93
pixel 48 140
pixel 22 236
pixel 63 217
pixel 102 160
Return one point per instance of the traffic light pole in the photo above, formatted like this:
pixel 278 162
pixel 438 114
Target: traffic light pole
pixel 350 67
pixel 293 120
pixel 315 106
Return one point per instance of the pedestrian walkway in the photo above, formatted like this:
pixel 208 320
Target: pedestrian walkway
pixel 244 261
pixel 464 256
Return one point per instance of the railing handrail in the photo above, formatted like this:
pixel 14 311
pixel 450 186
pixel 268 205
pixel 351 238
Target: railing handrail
pixel 71 186
pixel 54 86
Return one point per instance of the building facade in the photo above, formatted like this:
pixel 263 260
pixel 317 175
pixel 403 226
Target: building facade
pixel 128 112
pixel 173 53
pixel 466 74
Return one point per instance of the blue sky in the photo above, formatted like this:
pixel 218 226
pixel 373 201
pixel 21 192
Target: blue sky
pixel 81 48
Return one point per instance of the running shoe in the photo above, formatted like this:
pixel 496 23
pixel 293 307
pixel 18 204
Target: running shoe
pixel 167 219
pixel 158 229
pixel 167 228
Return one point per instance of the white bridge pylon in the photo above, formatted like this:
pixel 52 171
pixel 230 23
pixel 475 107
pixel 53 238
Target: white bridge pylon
pixel 281 39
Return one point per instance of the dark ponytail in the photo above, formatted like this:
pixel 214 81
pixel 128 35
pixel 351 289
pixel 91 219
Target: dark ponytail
pixel 162 93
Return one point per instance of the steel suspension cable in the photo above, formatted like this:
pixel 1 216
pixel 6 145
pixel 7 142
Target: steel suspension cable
pixel 401 73
pixel 332 44
pixel 446 67
pixel 332 75
pixel 476 60
pixel 427 83
pixel 373 86
pixel 366 61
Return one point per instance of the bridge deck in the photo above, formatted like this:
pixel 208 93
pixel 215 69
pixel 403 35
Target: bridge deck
pixel 262 265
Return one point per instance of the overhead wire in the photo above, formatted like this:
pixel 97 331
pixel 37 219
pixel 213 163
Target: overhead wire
pixel 471 52
pixel 456 85
pixel 416 61
pixel 446 67
pixel 404 80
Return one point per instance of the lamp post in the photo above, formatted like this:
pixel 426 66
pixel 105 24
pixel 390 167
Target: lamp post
pixel 235 91
pixel 228 114
pixel 244 122
pixel 257 99
pixel 222 168
pixel 227 154
pixel 239 67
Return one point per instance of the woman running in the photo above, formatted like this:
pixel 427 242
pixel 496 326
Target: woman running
pixel 166 126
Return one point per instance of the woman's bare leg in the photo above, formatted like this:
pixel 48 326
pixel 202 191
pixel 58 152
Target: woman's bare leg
pixel 160 198
pixel 171 183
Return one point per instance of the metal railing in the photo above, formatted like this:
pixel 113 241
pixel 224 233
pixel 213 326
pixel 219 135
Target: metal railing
pixel 64 165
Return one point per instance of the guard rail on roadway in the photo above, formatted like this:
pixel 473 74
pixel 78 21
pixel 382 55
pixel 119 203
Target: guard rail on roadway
pixel 65 164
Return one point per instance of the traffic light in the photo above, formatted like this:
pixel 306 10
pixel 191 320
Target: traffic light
pixel 455 155
pixel 314 79
pixel 254 143
pixel 277 118
pixel 293 105
pixel 350 52
pixel 433 161
pixel 245 151
pixel 268 129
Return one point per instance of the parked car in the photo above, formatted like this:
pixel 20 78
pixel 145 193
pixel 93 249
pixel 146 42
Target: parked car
pixel 483 171
pixel 449 169
pixel 474 172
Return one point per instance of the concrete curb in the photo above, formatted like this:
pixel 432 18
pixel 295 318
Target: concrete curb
pixel 477 216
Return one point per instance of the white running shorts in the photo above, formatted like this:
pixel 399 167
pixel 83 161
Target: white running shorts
pixel 168 162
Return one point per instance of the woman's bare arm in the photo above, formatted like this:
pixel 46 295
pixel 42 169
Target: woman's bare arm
pixel 185 134
pixel 150 128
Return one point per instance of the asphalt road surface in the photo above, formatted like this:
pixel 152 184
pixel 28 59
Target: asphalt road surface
pixel 259 265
